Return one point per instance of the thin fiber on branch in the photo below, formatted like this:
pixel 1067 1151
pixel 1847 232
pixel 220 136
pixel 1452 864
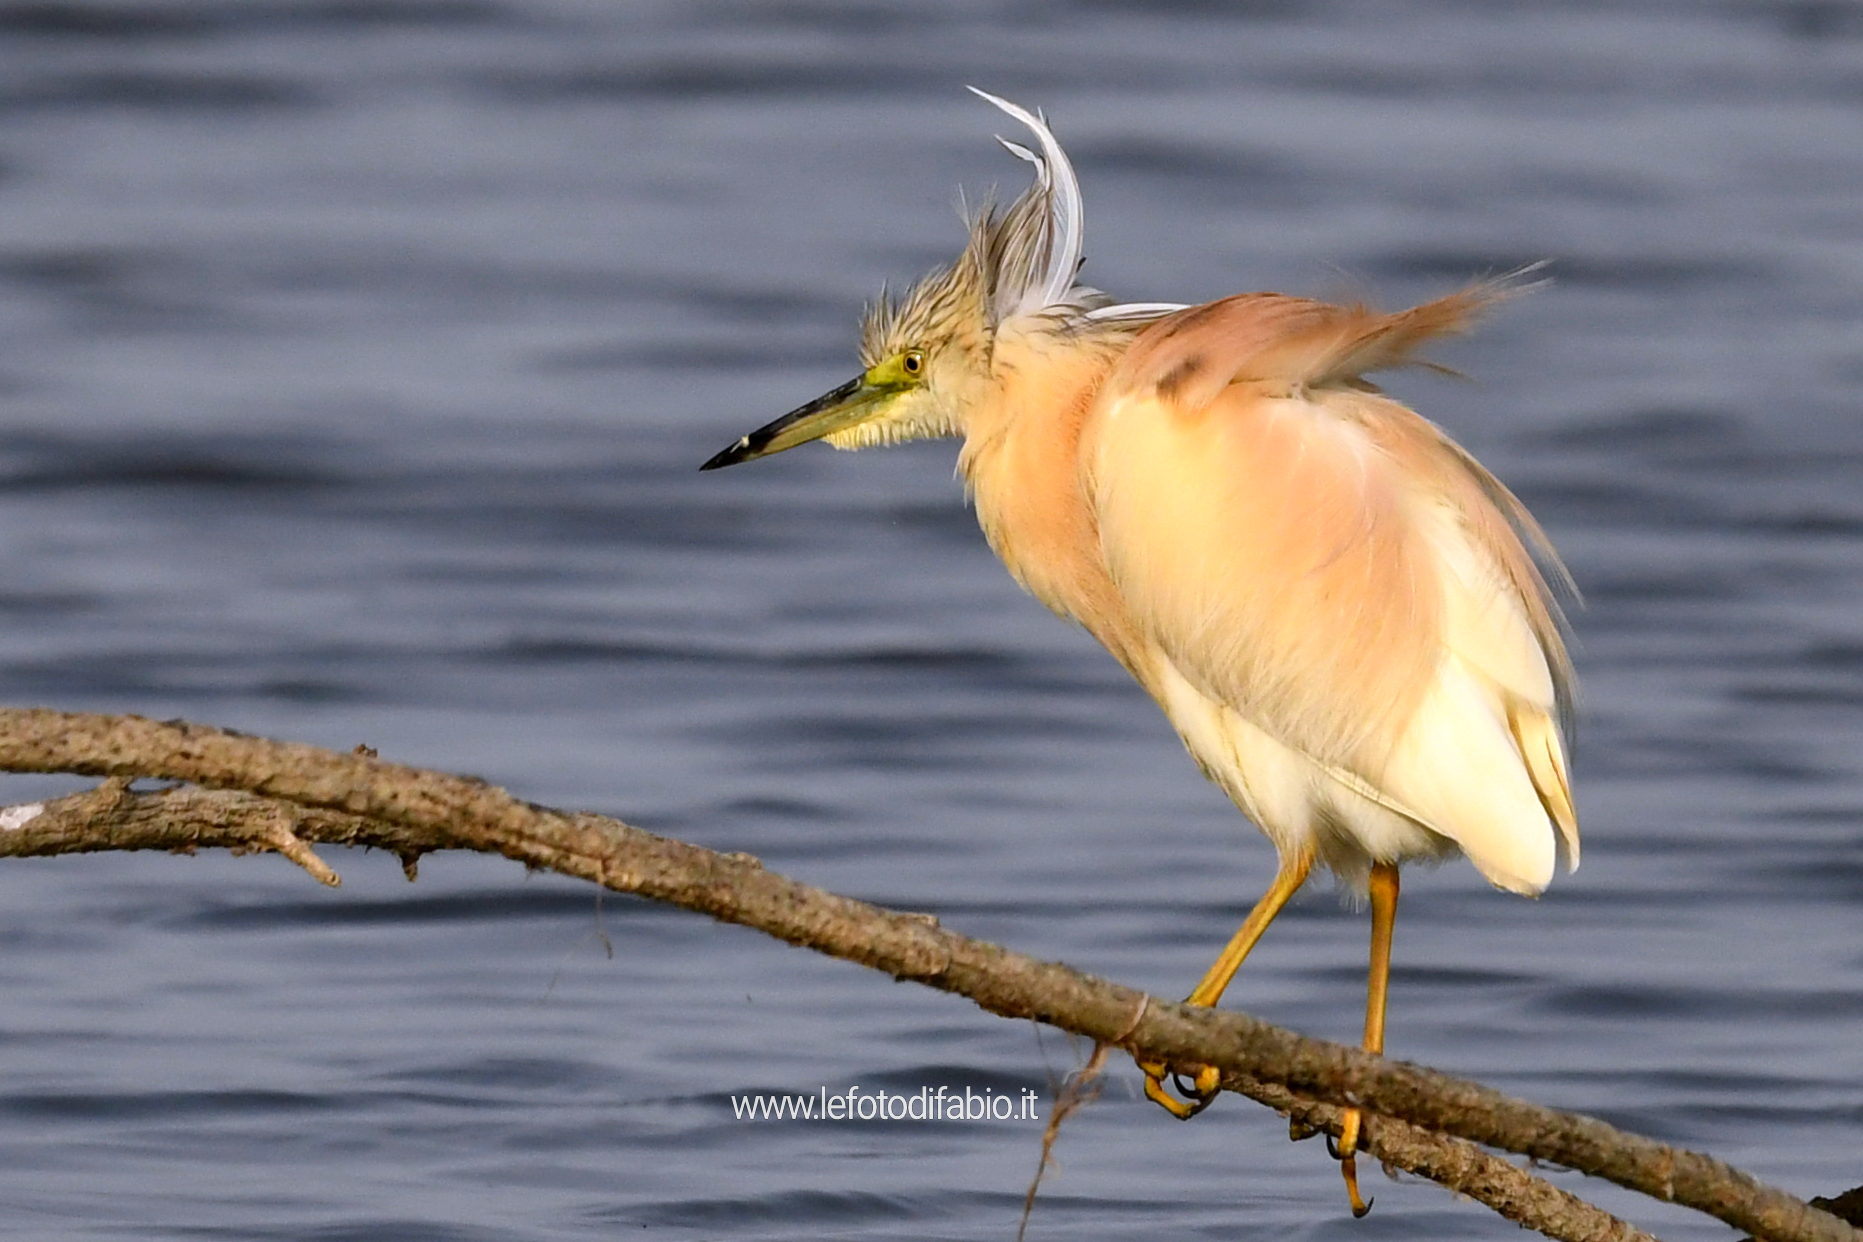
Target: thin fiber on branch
pixel 359 799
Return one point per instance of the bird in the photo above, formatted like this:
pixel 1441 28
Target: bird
pixel 1354 627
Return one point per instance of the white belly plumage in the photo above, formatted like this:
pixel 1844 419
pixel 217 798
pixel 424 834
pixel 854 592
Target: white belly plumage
pixel 1454 784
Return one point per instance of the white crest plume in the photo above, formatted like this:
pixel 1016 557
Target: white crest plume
pixel 1037 252
pixel 1038 270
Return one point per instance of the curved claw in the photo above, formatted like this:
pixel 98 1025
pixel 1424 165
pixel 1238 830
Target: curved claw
pixel 1348 1168
pixel 1205 1085
pixel 1199 1095
pixel 1360 1206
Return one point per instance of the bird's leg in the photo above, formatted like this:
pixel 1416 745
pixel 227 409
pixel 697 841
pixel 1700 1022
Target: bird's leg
pixel 1209 990
pixel 1383 919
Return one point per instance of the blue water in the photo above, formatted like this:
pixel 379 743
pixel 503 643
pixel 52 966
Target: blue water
pixel 356 357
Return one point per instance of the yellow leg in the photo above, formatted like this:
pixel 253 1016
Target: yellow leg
pixel 1209 989
pixel 1383 919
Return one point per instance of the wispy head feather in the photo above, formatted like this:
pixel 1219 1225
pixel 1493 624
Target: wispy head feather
pixel 951 304
pixel 1018 262
pixel 1037 250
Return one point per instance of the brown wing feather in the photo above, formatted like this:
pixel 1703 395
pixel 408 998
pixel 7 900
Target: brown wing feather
pixel 1189 357
pixel 1494 518
pixel 1261 514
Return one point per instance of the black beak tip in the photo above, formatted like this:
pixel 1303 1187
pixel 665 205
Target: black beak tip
pixel 730 457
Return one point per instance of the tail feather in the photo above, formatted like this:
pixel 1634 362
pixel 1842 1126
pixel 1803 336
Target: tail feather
pixel 1539 741
pixel 1458 767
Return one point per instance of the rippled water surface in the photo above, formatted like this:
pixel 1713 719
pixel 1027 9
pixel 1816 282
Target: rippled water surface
pixel 355 359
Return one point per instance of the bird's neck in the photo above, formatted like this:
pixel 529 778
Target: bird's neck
pixel 1022 463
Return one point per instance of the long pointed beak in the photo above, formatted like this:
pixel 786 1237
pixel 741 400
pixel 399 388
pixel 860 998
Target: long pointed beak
pixel 845 406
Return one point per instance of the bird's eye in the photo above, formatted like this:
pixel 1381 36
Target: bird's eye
pixel 913 363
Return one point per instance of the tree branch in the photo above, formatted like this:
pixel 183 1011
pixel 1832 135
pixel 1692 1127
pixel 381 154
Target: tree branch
pixel 359 799
pixel 187 819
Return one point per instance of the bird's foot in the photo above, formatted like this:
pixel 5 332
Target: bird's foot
pixel 1346 1153
pixel 1199 1091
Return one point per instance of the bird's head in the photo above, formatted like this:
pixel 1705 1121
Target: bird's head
pixel 927 354
pixel 923 356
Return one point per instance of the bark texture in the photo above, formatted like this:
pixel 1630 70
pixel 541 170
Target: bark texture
pixel 259 795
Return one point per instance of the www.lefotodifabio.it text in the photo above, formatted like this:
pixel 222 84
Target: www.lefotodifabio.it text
pixel 925 1104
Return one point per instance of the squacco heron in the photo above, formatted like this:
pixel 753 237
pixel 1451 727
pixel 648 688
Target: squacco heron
pixel 1338 608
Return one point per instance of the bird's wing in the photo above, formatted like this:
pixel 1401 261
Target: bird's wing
pixel 1314 555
